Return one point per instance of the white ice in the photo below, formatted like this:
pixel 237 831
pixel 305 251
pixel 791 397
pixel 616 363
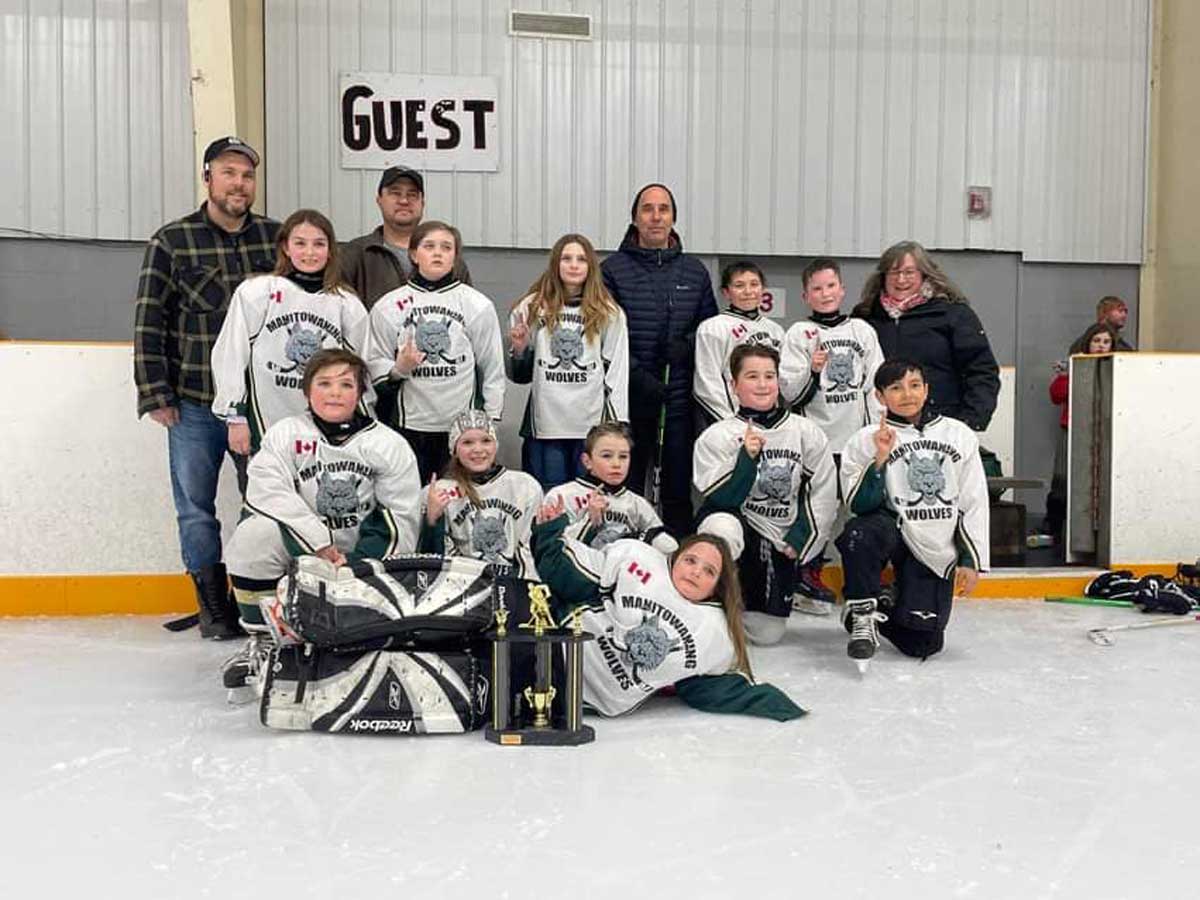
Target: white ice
pixel 1023 762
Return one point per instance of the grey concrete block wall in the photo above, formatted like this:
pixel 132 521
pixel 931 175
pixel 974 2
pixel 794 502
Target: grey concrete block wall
pixel 83 291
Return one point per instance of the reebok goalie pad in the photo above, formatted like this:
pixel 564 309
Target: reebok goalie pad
pixel 407 601
pixel 376 692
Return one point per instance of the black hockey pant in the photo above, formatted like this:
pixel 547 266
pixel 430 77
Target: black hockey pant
pixel 917 623
pixel 768 577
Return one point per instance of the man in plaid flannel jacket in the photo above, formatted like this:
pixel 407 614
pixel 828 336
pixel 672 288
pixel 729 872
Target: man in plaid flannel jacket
pixel 191 269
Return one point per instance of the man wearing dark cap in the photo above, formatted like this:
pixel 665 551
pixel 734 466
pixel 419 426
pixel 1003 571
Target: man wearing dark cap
pixel 378 262
pixel 191 268
pixel 666 294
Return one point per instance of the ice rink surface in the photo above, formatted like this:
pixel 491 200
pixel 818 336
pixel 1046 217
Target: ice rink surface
pixel 1023 762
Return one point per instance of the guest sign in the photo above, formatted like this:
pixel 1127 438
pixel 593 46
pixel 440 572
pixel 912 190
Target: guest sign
pixel 436 123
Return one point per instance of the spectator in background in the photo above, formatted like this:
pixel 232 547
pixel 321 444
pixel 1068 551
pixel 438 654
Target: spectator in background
pixel 1112 312
pixel 378 262
pixel 191 268
pixel 1099 338
pixel 920 314
pixel 666 294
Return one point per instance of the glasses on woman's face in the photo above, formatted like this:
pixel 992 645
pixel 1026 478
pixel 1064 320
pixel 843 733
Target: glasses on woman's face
pixel 903 273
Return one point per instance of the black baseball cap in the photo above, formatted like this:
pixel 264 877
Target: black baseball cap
pixel 230 144
pixel 394 173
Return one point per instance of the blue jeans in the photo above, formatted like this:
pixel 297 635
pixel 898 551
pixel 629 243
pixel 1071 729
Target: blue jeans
pixel 552 461
pixel 196 447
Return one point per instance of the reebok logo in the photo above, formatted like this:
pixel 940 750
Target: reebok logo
pixel 921 614
pixel 376 726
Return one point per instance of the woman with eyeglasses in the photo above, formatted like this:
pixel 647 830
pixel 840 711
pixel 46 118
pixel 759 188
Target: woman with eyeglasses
pixel 920 314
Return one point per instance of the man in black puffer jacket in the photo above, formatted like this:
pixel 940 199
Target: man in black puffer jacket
pixel 666 294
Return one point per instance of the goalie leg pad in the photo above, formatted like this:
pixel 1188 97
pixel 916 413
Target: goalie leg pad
pixel 375 692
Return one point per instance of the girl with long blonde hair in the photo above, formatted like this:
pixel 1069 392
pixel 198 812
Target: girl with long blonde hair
pixel 568 340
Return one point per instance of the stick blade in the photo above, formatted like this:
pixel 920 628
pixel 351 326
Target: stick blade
pixel 1101 637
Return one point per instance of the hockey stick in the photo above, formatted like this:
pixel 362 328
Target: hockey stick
pixel 1103 636
pixel 656 474
pixel 1091 601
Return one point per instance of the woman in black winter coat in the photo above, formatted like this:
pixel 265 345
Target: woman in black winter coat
pixel 920 314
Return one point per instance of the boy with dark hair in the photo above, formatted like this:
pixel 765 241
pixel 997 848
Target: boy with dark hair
pixel 827 371
pixel 916 486
pixel 741 322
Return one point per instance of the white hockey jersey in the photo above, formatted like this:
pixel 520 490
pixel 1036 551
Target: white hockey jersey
pixel 575 383
pixel 647 634
pixel 843 398
pixel 498 531
pixel 629 515
pixel 457 329
pixel 271 329
pixel 934 482
pixel 363 493
pixel 788 495
pixel 716 339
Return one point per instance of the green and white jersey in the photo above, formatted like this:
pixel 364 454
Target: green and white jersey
pixel 456 328
pixel 933 481
pixel 716 339
pixel 322 493
pixel 788 494
pixel 271 329
pixel 629 515
pixel 575 383
pixel 497 531
pixel 842 400
pixel 647 634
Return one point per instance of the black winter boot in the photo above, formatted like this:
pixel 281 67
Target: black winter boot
pixel 218 609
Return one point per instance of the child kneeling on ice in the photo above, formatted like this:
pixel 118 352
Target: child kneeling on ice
pixel 658 621
pixel 770 490
pixel 916 487
pixel 331 482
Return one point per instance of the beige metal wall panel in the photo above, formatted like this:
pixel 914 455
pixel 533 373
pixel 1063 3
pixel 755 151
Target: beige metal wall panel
pixel 783 126
pixel 97 117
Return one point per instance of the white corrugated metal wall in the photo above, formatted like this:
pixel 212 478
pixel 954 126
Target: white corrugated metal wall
pixel 96 140
pixel 785 126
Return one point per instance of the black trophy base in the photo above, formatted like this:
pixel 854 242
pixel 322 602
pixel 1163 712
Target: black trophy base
pixel 540 737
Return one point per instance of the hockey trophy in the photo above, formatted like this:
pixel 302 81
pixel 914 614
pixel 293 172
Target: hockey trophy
pixel 527 715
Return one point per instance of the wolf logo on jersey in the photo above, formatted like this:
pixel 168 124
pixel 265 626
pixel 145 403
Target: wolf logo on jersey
pixel 645 646
pixel 488 537
pixel 301 344
pixel 774 482
pixel 337 496
pixel 840 369
pixel 433 338
pixel 926 480
pixel 567 345
pixel 609 532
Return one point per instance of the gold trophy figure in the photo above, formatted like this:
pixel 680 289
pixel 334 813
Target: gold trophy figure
pixel 534 721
